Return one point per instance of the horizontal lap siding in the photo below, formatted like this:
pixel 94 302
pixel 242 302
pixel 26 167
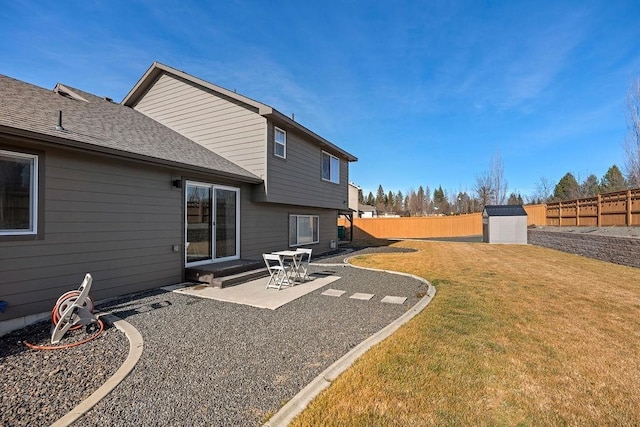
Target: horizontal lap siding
pixel 265 228
pixel 298 178
pixel 212 121
pixel 115 219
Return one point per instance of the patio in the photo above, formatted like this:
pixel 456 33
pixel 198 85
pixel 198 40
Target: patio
pixel 208 362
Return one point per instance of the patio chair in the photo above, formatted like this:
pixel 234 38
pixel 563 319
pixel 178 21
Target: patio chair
pixel 303 267
pixel 279 273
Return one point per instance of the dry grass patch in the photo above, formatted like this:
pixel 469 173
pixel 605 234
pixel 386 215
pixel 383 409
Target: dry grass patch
pixel 515 335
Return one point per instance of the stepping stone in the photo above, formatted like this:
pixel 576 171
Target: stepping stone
pixel 394 300
pixel 333 293
pixel 364 297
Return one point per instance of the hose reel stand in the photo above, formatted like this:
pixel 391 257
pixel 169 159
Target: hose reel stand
pixel 73 310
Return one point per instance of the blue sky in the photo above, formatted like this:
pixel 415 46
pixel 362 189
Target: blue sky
pixel 422 92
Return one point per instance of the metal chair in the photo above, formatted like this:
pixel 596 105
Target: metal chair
pixel 279 273
pixel 303 264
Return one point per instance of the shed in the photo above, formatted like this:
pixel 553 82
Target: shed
pixel 504 224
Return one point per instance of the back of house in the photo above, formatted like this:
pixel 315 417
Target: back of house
pixel 181 173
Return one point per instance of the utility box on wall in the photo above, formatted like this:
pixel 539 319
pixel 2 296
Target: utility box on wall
pixel 504 224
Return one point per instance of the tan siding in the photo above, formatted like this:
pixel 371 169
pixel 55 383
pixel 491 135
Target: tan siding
pixel 224 127
pixel 298 178
pixel 115 219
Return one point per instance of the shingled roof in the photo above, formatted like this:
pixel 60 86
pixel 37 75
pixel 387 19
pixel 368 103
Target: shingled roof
pixel 505 210
pixel 99 124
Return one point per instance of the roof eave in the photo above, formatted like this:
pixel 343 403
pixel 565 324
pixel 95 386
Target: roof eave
pixel 156 69
pixel 275 114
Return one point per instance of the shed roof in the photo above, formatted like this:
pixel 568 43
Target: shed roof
pixel 98 124
pixel 504 210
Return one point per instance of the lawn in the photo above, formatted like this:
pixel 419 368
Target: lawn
pixel 516 335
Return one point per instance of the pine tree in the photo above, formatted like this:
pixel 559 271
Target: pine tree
pixel 420 211
pixel 381 200
pixel 613 180
pixel 567 188
pixel 590 186
pixel 371 201
pixel 515 199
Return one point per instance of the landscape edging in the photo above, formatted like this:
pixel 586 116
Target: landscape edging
pixel 299 402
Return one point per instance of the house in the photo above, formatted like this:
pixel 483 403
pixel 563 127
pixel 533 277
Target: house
pixel 137 192
pixel 367 211
pixel 504 224
pixel 362 210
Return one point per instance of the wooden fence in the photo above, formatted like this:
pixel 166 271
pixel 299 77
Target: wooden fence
pixel 432 226
pixel 621 208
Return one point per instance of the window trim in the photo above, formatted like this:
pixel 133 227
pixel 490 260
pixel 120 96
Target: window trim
pixel 34 196
pixel 331 158
pixel 276 143
pixel 317 232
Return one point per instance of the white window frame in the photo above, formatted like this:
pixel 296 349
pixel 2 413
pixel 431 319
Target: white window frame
pixel 315 219
pixel 33 195
pixel 213 188
pixel 282 143
pixel 333 161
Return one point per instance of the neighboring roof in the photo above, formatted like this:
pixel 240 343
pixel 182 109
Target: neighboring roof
pixel 504 210
pixel 99 124
pixel 157 69
pixel 366 208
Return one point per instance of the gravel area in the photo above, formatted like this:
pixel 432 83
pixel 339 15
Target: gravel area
pixel 207 362
pixel 600 231
pixel 38 387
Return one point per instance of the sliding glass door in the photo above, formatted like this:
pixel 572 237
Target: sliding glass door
pixel 212 229
pixel 226 220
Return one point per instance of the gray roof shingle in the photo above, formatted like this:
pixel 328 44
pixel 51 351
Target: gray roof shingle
pixel 99 124
pixel 505 210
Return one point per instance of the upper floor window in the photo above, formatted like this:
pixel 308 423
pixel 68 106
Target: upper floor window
pixel 280 143
pixel 18 193
pixel 330 168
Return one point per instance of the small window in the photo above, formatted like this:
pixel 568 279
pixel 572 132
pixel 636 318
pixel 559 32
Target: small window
pixel 280 143
pixel 303 229
pixel 18 193
pixel 330 168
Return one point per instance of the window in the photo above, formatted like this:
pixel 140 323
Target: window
pixel 330 168
pixel 303 229
pixel 280 143
pixel 18 193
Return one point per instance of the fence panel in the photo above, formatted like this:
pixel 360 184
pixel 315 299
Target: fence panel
pixel 620 208
pixel 536 214
pixel 432 226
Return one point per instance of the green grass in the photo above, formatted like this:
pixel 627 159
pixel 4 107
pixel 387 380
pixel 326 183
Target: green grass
pixel 516 335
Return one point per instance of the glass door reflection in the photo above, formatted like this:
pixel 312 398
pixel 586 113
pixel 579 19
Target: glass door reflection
pixel 199 232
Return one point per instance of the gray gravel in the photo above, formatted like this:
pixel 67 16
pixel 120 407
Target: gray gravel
pixel 39 387
pixel 213 363
pixel 618 231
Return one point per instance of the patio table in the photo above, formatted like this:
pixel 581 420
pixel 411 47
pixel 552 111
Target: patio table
pixel 294 258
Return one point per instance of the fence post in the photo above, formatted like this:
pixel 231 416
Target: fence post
pixel 560 214
pixel 628 208
pixel 599 211
pixel 577 212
